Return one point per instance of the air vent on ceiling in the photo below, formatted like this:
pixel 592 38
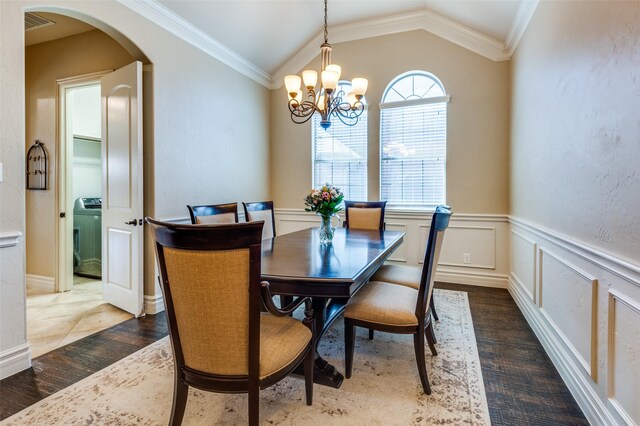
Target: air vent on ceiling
pixel 31 21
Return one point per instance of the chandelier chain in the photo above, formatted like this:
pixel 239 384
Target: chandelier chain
pixel 326 33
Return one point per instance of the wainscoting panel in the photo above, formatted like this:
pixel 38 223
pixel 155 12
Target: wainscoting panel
pixel 478 243
pixel 586 315
pixel 567 301
pixel 483 238
pixel 523 264
pixel 623 348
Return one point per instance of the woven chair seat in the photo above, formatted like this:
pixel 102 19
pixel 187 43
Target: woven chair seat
pixel 384 303
pixel 398 274
pixel 282 339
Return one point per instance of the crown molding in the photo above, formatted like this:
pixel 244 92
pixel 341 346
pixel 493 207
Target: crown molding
pixel 523 16
pixel 426 20
pixel 181 28
pixel 421 20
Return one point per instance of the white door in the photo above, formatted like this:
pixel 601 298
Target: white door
pixel 122 202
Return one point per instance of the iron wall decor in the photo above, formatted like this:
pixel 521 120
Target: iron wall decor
pixel 37 166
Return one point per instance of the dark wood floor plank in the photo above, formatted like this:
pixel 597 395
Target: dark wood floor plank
pixel 522 385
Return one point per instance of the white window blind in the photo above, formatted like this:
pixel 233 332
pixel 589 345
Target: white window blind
pixel 413 142
pixel 340 155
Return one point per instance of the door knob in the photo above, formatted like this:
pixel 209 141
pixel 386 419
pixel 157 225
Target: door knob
pixel 133 222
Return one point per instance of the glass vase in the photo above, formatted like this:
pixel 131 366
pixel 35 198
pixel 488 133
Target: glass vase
pixel 326 230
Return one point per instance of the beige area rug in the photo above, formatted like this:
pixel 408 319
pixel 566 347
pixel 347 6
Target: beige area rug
pixel 384 389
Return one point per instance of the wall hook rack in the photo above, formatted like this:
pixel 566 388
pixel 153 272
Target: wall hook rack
pixel 37 166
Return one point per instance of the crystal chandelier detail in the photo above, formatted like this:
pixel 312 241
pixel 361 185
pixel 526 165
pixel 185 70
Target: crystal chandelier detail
pixel 330 100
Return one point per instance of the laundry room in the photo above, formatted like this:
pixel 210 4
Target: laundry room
pixel 86 181
pixel 65 60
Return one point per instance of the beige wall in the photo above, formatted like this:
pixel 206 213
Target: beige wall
pixel 575 134
pixel 478 119
pixel 45 63
pixel 201 109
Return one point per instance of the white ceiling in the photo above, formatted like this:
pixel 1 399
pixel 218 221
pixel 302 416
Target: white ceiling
pixel 267 33
pixel 266 39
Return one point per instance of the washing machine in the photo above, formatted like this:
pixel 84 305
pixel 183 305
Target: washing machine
pixel 87 225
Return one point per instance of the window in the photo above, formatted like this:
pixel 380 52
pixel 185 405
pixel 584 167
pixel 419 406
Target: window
pixel 340 154
pixel 413 141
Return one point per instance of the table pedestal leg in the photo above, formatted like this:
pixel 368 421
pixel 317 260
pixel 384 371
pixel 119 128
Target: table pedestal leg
pixel 325 311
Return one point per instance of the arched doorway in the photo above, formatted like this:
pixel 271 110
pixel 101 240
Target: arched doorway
pixel 58 69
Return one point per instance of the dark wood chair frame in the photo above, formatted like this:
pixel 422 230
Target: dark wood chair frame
pixel 257 206
pixel 424 328
pixel 228 237
pixel 213 209
pixel 365 205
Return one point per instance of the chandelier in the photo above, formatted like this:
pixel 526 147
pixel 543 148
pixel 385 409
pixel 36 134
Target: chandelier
pixel 330 100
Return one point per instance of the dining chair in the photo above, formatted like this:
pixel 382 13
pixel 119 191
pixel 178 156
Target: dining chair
pixel 404 275
pixel 364 214
pixel 399 309
pixel 262 210
pixel 214 213
pixel 221 341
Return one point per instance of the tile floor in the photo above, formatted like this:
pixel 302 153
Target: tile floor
pixel 57 319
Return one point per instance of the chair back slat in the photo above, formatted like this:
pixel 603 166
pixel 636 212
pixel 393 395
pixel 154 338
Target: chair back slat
pixel 439 223
pixel 364 214
pixel 209 276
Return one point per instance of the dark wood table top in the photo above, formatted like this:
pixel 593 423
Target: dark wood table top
pixel 298 264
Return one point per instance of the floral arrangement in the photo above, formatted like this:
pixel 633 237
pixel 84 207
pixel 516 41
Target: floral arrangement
pixel 325 201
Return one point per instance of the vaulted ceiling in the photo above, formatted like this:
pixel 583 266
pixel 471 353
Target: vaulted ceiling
pixel 266 39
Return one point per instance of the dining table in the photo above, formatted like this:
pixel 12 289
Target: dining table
pixel 298 264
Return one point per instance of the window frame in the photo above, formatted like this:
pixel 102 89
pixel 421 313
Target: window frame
pixel 445 98
pixel 314 129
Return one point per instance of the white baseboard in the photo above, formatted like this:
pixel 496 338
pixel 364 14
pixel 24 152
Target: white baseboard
pixel 14 360
pixel 153 304
pixel 480 279
pixel 571 373
pixel 41 282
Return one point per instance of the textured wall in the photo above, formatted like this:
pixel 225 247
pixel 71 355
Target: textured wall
pixel 45 63
pixel 478 115
pixel 12 287
pixel 575 129
pixel 202 109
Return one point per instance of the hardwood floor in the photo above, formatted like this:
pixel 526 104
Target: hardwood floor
pixel 522 385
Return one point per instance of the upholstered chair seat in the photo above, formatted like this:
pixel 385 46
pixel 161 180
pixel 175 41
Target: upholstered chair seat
pixel 408 276
pixel 384 303
pixel 282 340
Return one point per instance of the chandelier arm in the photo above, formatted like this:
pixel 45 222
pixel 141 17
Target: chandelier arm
pixel 347 120
pixel 302 108
pixel 300 119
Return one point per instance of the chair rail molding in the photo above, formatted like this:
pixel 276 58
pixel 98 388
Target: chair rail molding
pixel 584 306
pixel 10 239
pixel 483 238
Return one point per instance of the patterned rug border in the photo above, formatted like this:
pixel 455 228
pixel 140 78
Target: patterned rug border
pixel 157 346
